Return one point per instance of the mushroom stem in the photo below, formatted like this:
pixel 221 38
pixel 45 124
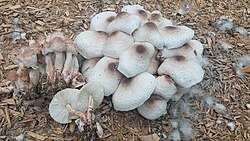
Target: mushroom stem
pixel 67 66
pixel 59 63
pixel 79 114
pixel 90 109
pixel 49 67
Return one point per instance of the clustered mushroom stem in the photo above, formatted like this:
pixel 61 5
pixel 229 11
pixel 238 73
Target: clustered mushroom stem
pixel 49 67
pixel 67 66
pixel 58 63
pixel 90 109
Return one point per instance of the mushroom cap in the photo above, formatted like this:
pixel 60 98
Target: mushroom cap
pixel 176 36
pixel 153 108
pixel 133 92
pixel 157 18
pixel 51 36
pixel 28 57
pixel 101 20
pixel 70 46
pixel 184 72
pixel 135 59
pixel 165 87
pixel 90 43
pixel 154 64
pixel 117 43
pixel 40 39
pixel 58 45
pixel 149 33
pixel 105 72
pixel 132 23
pixel 137 10
pixel 12 75
pixel 47 49
pixel 88 65
pixel 57 106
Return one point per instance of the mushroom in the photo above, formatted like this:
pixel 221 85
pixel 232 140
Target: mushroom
pixel 88 65
pixel 133 92
pixel 137 10
pixel 156 17
pixel 132 23
pixel 34 76
pixel 90 43
pixel 101 20
pixel 165 87
pixel 184 72
pixel 28 58
pixel 135 59
pixel 51 36
pixel 47 52
pixel 153 108
pixel 70 104
pixel 154 64
pixel 105 72
pixel 149 33
pixel 58 46
pixel 176 36
pixel 117 43
pixel 23 79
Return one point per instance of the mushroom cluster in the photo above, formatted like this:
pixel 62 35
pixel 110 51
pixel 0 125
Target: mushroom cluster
pixel 141 58
pixel 53 56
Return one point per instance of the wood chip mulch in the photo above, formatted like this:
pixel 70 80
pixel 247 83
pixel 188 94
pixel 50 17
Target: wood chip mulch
pixel 31 117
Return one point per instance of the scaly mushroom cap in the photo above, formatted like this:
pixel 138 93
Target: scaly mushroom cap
pixel 165 87
pixel 149 33
pixel 117 43
pixel 132 23
pixel 51 36
pixel 176 36
pixel 133 92
pixel 184 72
pixel 58 45
pixel 105 72
pixel 28 57
pixel 101 20
pixel 153 108
pixel 90 43
pixel 135 59
pixel 87 67
pixel 156 17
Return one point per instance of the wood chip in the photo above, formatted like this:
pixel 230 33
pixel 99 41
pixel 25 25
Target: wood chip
pixel 246 68
pixel 152 137
pixel 36 136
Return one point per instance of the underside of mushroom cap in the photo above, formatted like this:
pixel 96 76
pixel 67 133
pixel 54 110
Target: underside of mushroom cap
pixel 184 72
pixel 132 23
pixel 153 108
pixel 90 43
pixel 117 43
pixel 135 59
pixel 105 72
pixel 176 36
pixel 149 33
pixel 165 87
pixel 101 20
pixel 133 92
pixel 57 107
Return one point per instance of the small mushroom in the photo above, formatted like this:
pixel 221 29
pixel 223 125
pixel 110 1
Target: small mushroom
pixel 157 18
pixel 90 43
pixel 133 92
pixel 176 36
pixel 105 72
pixel 153 108
pixel 184 72
pixel 87 67
pixel 117 43
pixel 58 46
pixel 51 36
pixel 70 104
pixel 28 58
pixel 34 76
pixel 132 23
pixel 165 87
pixel 135 59
pixel 23 79
pixel 101 20
pixel 149 33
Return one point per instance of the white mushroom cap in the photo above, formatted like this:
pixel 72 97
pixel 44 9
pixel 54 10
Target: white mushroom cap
pixel 87 67
pixel 135 59
pixel 156 17
pixel 101 20
pixel 149 33
pixel 165 87
pixel 153 108
pixel 184 72
pixel 137 10
pixel 117 43
pixel 78 99
pixel 57 107
pixel 176 36
pixel 105 72
pixel 133 92
pixel 90 43
pixel 154 64
pixel 118 24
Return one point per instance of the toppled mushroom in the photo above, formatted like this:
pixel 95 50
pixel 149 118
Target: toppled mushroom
pixel 70 104
pixel 184 72
pixel 153 108
pixel 135 59
pixel 101 20
pixel 117 43
pixel 90 43
pixel 133 92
